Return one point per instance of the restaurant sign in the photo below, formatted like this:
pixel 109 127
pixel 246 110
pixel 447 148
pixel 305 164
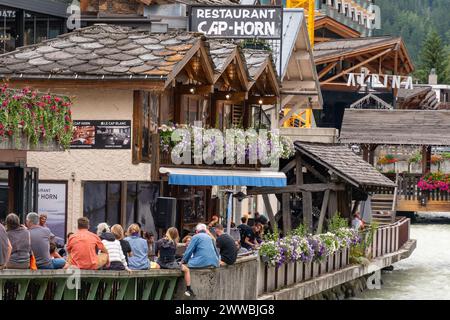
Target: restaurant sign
pixel 237 22
pixel 101 134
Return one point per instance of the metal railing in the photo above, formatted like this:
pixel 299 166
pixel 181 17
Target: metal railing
pixel 87 285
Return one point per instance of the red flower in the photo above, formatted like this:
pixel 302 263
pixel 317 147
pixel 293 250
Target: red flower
pixel 10 132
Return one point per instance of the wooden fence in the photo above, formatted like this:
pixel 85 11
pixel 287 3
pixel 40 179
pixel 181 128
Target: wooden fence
pixel 386 239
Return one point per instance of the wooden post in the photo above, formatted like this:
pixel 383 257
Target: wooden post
pixel 371 151
pixel 298 169
pixel 426 159
pixel 307 211
pixel 286 213
pixel 365 149
pixel 332 204
pixel 269 211
pixel 323 211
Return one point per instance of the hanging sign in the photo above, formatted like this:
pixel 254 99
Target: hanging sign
pixel 237 22
pixel 379 81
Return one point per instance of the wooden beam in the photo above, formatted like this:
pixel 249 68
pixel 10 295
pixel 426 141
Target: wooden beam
pixel 323 211
pixel 313 187
pixel 129 84
pixel 315 173
pixel 267 100
pixel 202 89
pixel 298 169
pixel 286 210
pixel 357 66
pixel 307 211
pixel 327 69
pixel 232 96
pixel 269 210
pixel 289 166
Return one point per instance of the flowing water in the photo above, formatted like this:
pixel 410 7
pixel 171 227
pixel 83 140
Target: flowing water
pixel 426 273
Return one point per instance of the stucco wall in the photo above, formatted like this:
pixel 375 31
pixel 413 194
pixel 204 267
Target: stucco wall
pixel 76 165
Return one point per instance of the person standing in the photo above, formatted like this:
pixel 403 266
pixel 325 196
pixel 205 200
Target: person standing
pixel 226 245
pixel 5 248
pixel 20 239
pixel 40 244
pixel 139 260
pixel 83 247
pixel 201 252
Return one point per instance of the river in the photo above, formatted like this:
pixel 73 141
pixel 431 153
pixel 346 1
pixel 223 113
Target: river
pixel 425 274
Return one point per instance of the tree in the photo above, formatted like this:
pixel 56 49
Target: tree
pixel 433 56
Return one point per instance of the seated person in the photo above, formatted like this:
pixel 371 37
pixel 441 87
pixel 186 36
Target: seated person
pixel 226 245
pixel 83 247
pixel 201 252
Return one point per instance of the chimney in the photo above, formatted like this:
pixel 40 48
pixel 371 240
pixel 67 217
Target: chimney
pixel 432 77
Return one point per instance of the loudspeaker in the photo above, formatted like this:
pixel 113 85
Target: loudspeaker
pixel 166 212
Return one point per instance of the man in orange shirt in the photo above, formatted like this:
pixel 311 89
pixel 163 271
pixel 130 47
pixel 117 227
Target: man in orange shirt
pixel 83 247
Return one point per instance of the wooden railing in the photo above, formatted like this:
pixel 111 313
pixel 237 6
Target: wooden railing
pixel 408 189
pixel 386 240
pixel 271 278
pixel 93 285
pixel 390 238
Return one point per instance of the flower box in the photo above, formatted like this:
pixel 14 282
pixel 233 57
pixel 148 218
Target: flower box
pixel 281 276
pixel 315 269
pixel 307 270
pixel 299 275
pixel 271 278
pixel 290 273
pixel 337 260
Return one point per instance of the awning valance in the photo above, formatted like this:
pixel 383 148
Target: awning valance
pixel 206 177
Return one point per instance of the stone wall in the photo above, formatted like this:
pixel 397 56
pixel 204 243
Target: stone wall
pixel 236 282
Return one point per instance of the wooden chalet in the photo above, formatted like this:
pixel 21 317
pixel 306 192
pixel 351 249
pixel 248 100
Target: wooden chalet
pixel 421 128
pixel 323 179
pixel 337 59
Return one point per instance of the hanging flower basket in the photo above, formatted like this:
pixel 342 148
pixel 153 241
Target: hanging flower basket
pixel 29 121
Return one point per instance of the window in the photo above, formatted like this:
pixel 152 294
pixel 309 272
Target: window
pixel 146 123
pixel 102 202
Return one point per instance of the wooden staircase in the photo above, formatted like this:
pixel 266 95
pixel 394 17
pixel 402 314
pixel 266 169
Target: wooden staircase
pixel 382 212
pixel 237 115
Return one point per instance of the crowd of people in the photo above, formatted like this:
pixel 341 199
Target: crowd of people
pixel 32 246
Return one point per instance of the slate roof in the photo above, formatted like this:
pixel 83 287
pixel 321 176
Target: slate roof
pixel 396 127
pixel 342 46
pixel 344 163
pixel 220 52
pixel 107 51
pixel 255 60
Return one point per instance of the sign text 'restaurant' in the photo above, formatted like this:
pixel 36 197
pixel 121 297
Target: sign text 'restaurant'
pixel 237 21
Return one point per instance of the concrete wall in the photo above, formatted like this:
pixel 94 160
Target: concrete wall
pixel 236 282
pixel 75 165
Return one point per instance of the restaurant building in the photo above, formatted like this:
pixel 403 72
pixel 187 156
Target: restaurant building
pixel 126 84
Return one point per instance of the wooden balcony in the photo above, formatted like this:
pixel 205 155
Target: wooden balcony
pixel 162 158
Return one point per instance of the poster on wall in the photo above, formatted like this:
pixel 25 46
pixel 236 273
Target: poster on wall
pixel 52 201
pixel 101 134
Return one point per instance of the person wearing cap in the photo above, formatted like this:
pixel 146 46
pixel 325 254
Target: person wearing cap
pixel 202 251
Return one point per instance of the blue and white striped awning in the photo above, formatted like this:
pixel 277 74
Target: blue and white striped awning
pixel 207 177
